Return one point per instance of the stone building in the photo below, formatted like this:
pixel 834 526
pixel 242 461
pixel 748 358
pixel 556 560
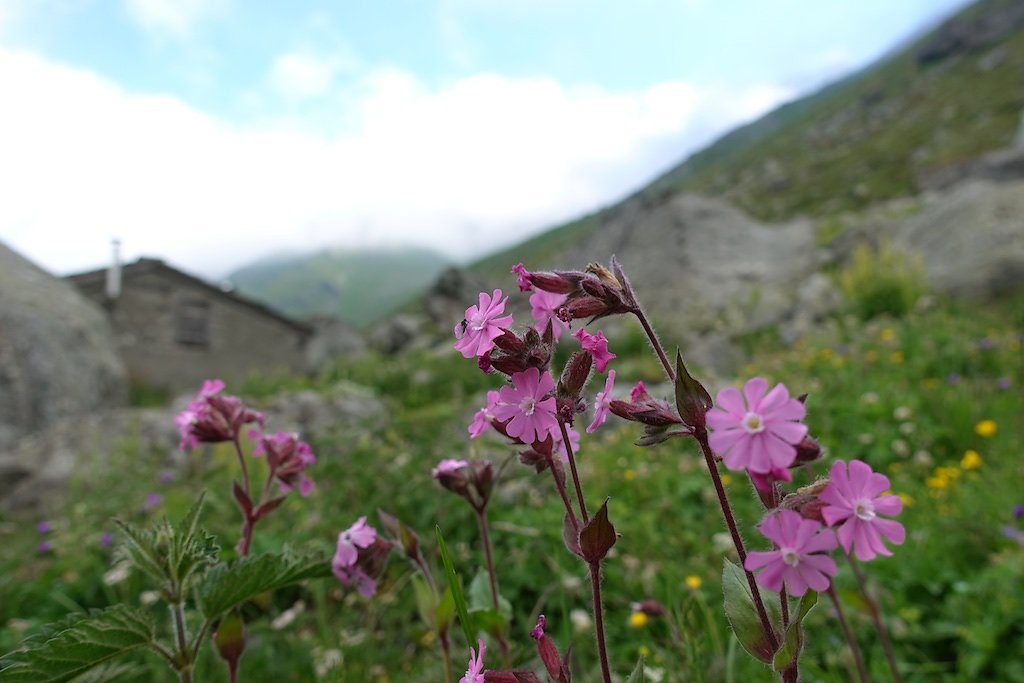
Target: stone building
pixel 174 330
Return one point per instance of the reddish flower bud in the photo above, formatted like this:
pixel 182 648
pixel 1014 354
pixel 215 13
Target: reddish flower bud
pixel 575 375
pixel 552 282
pixel 229 639
pixel 807 451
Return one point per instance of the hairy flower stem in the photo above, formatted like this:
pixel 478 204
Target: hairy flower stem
pixel 575 474
pixel 184 656
pixel 485 539
pixel 850 641
pixel 737 540
pixel 876 616
pixel 639 313
pixel 565 498
pixel 784 606
pixel 245 468
pixel 602 648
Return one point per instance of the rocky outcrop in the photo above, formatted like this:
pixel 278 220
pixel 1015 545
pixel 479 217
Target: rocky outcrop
pixel 57 352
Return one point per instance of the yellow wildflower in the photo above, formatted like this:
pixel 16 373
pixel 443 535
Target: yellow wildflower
pixel 971 460
pixel 693 582
pixel 629 475
pixel 644 651
pixel 938 482
pixel 896 357
pixel 726 479
pixel 871 356
pixel 986 428
pixel 638 620
pixel 888 334
pixel 907 500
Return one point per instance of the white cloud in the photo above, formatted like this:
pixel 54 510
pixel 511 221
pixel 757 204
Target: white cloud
pixel 466 167
pixel 175 17
pixel 300 76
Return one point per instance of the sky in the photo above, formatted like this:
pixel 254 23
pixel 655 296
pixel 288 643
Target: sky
pixel 211 133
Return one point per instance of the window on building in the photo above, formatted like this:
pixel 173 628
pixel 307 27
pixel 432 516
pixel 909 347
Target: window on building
pixel 193 323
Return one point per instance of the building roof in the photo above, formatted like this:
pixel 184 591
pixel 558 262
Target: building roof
pixel 157 266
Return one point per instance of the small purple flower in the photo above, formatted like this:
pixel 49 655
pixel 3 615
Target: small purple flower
pixel 522 277
pixel 483 324
pixel 1018 512
pixel 475 668
pixel 152 500
pixel 528 406
pixel 756 430
pixel 800 559
pixel 354 575
pixel 855 499
pixel 538 631
pixel 359 535
pixel 106 540
pixel 44 548
pixel 166 477
pixel 210 418
pixel 1004 383
pixel 953 379
pixel 448 467
pixel 597 346
pixel 985 344
pixel 288 458
pixel 602 403
pixel 43 528
pixel 544 307
pixel 1014 534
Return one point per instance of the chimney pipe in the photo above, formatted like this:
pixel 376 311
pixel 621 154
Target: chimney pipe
pixel 114 272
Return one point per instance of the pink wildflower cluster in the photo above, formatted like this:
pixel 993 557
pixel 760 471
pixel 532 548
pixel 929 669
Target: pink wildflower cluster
pixel 211 418
pixel 288 459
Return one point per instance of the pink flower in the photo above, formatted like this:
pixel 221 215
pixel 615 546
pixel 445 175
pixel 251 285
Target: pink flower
pixel 528 406
pixel 288 459
pixel 475 668
pixel 799 559
pixel 482 325
pixel 597 346
pixel 763 481
pixel 359 535
pixel 448 467
pixel 483 417
pixel 210 418
pixel 602 403
pixel 522 277
pixel 756 431
pixel 856 497
pixel 544 307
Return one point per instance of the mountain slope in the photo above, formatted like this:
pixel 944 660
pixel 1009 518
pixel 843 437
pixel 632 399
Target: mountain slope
pixel 948 97
pixel 359 286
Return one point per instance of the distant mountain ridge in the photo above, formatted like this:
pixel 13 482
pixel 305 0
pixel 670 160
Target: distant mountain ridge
pixel 885 132
pixel 361 286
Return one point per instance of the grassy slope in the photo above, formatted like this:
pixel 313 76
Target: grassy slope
pixel 359 286
pixel 857 141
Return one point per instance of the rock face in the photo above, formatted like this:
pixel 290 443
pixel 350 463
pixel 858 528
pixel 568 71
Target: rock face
pixel 57 354
pixel 57 363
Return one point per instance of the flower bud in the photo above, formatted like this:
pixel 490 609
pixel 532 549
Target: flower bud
pixel 807 451
pixel 229 639
pixel 575 376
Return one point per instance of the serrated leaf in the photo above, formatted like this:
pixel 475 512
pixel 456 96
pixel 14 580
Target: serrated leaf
pixel 794 640
pixel 455 586
pixel 598 536
pixel 229 585
pixel 119 672
pixel 78 645
pixel 141 549
pixel 190 550
pixel 742 615
pixel 638 672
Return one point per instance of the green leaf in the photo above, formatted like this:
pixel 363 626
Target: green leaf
pixel 481 606
pixel 426 602
pixel 445 611
pixel 742 615
pixel 229 585
pixel 455 586
pixel 190 550
pixel 141 549
pixel 794 640
pixel 638 672
pixel 78 644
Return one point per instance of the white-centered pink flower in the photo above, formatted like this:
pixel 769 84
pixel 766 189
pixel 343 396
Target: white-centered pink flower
pixel 544 307
pixel 529 406
pixel 757 430
pixel 854 498
pixel 483 324
pixel 359 535
pixel 800 559
pixel 602 402
pixel 482 418
pixel 597 346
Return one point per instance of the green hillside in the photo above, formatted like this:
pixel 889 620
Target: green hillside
pixel 358 286
pixel 946 98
